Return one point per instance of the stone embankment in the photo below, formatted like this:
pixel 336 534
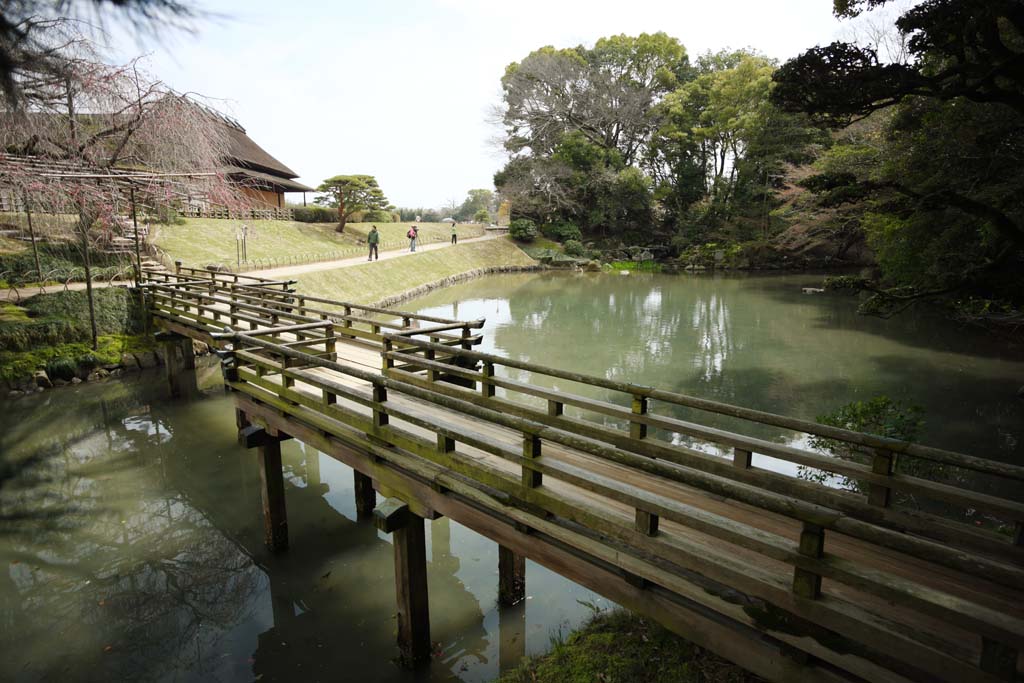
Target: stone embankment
pixel 130 362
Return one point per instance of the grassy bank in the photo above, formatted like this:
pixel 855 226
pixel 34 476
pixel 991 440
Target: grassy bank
pixel 621 647
pixel 203 241
pixel 51 332
pixel 374 281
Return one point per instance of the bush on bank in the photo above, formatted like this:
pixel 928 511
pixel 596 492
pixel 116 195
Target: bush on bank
pixel 622 647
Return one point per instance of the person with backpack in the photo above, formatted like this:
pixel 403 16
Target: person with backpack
pixel 373 239
pixel 412 235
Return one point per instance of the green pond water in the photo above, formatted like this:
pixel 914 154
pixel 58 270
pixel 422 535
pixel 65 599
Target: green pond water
pixel 131 529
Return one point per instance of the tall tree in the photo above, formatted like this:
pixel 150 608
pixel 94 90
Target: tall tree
pixel 946 176
pixel 99 117
pixel 34 34
pixel 351 193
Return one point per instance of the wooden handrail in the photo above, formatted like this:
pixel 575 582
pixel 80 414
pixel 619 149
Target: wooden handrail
pixel 1009 471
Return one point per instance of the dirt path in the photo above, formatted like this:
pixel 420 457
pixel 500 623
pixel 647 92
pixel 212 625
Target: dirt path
pixel 288 271
pixel 26 292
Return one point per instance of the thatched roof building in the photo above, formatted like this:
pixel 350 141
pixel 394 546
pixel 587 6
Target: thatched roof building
pixel 261 176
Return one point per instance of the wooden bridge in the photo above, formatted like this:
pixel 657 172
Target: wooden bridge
pixel 670 517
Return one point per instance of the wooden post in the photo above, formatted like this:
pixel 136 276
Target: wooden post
pixel 348 322
pixel 171 368
pixel 998 659
pixel 429 354
pixel 741 458
pixel 556 408
pixel 531 449
pixel 806 583
pixel 380 395
pixel 394 516
pixel 646 522
pixel 366 497
pixel 882 463
pixel 275 518
pixel 389 346
pixel 638 430
pixel 486 388
pixel 465 338
pixel 511 577
pixel 188 354
pixel 331 345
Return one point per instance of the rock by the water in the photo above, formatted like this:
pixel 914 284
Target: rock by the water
pixel 812 290
pixel 129 362
pixel 76 380
pixel 146 359
pixel 15 393
pixel 41 379
pixel 200 348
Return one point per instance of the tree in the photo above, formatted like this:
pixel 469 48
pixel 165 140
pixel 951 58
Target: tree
pixel 474 202
pixel 351 193
pixel 99 118
pixel 482 216
pixel 34 34
pixel 944 177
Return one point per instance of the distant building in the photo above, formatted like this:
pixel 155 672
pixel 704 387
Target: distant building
pixel 262 178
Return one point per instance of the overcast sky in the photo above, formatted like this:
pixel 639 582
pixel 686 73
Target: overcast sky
pixel 403 89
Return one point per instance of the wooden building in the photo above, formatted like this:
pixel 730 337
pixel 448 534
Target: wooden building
pixel 261 176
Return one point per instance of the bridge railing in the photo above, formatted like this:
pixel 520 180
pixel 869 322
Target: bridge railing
pixel 219 299
pixel 636 509
pixel 633 428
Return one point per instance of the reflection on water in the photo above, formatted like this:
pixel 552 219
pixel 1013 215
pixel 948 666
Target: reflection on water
pixel 131 541
pixel 755 341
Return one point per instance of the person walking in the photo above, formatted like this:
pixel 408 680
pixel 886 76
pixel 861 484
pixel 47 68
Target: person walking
pixel 373 240
pixel 412 235
pixel 455 236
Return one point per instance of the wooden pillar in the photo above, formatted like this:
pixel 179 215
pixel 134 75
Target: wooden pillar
pixel 188 354
pixel 511 636
pixel 275 517
pixel 806 583
pixel 882 463
pixel 393 516
pixel 172 368
pixel 998 659
pixel 511 577
pixel 638 430
pixel 366 497
pixel 741 458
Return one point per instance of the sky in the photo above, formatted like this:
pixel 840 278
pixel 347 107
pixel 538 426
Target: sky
pixel 405 90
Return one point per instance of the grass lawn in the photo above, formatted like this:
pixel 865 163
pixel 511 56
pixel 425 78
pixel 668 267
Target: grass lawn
pixel 373 281
pixel 203 241
pixel 12 246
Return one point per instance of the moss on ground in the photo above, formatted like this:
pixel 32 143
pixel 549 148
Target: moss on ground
pixel 622 647
pixel 541 247
pixel 79 357
pixel 199 242
pixel 373 281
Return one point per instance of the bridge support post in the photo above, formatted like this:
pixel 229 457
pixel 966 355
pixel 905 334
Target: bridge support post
pixel 366 497
pixel 511 577
pixel 275 516
pixel 998 659
pixel 394 517
pixel 179 364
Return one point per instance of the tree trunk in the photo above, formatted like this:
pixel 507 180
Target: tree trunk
pixel 32 236
pixel 88 284
pixel 341 213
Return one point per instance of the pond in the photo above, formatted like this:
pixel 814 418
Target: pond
pixel 132 530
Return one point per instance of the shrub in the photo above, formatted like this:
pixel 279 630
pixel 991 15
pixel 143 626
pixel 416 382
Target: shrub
pixel 315 214
pixel 482 216
pixel 378 216
pixel 562 231
pixel 574 248
pixel 523 230
pixel 62 368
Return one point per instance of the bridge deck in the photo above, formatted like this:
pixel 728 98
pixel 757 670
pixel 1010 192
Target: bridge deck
pixel 864 589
